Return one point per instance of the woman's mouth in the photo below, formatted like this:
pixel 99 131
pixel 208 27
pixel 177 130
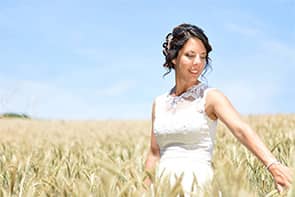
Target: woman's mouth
pixel 194 72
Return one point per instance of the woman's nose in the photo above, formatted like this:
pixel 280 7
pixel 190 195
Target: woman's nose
pixel 197 59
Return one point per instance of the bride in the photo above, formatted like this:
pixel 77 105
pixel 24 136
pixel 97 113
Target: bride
pixel 184 119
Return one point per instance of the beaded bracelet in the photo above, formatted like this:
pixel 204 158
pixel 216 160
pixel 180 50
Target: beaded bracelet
pixel 274 162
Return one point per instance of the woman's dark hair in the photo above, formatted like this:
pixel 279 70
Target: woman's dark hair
pixel 175 41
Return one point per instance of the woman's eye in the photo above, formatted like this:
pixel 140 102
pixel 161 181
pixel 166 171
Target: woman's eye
pixel 190 55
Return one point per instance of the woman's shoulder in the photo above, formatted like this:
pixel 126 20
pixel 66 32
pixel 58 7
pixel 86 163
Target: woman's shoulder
pixel 214 96
pixel 213 91
pixel 203 89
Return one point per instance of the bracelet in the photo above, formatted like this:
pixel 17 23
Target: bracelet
pixel 274 162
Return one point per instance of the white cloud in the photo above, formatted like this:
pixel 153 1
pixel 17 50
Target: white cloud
pixel 42 100
pixel 243 29
pixel 116 89
pixel 259 75
pixel 131 111
pixel 280 49
pixel 252 97
pixel 263 49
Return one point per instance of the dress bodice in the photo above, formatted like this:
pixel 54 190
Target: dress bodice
pixel 184 132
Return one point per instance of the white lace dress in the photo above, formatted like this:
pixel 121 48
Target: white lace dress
pixel 185 135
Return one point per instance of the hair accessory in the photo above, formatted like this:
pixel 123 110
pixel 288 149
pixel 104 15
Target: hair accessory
pixel 169 39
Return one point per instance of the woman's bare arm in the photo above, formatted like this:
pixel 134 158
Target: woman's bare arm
pixel 220 107
pixel 154 152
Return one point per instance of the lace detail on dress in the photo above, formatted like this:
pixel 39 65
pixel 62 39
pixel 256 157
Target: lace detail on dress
pixel 193 93
pixel 185 136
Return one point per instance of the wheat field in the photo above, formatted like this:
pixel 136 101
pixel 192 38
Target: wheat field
pixel 106 158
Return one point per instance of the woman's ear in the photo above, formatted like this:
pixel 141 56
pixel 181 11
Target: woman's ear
pixel 174 61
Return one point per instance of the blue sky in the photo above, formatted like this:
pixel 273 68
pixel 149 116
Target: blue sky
pixel 103 59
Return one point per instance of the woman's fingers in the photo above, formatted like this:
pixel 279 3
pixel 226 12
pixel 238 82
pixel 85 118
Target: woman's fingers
pixel 282 185
pixel 282 177
pixel 280 188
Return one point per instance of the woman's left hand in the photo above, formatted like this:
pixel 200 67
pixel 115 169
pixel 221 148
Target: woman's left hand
pixel 282 176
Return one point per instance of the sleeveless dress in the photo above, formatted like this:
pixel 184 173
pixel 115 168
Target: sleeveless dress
pixel 185 135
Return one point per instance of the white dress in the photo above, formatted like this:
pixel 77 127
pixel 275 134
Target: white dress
pixel 185 135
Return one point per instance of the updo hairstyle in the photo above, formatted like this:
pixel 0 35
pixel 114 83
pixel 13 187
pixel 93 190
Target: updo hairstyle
pixel 176 40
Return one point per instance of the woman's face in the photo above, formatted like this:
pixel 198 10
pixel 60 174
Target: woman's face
pixel 191 60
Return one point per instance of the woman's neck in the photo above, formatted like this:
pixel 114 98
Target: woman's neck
pixel 182 86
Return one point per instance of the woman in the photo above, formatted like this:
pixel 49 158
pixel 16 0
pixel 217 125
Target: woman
pixel 184 120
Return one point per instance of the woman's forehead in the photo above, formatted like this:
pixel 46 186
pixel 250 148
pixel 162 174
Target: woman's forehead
pixel 194 45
